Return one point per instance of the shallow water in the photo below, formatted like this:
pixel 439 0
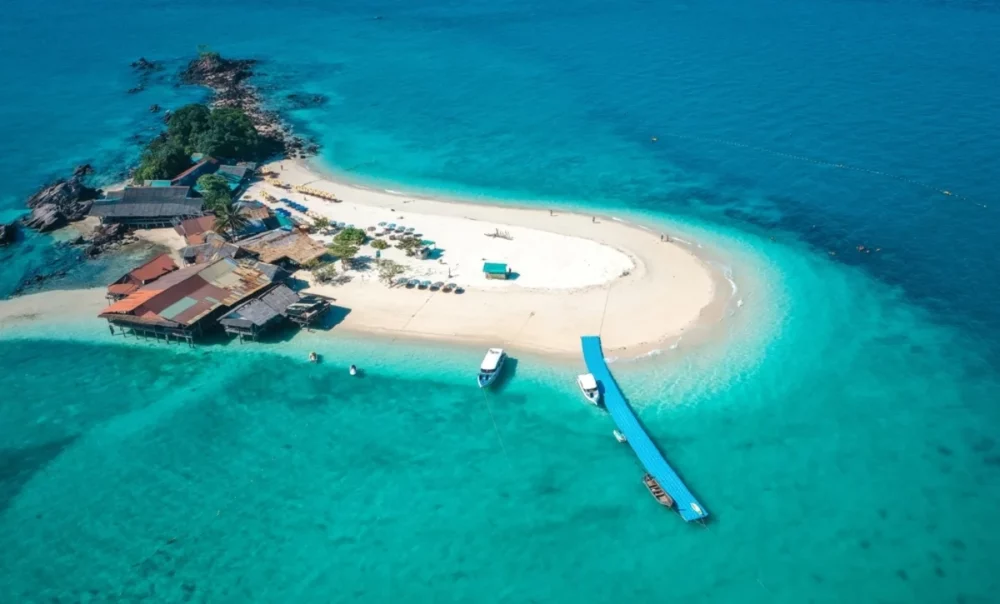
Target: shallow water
pixel 841 431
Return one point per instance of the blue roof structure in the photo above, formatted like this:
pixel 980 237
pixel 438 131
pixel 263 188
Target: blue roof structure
pixel 651 458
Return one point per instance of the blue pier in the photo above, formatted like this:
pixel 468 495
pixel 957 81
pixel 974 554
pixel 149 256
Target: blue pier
pixel 645 450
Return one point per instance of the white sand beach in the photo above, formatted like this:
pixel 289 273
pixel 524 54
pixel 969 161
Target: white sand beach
pixel 575 274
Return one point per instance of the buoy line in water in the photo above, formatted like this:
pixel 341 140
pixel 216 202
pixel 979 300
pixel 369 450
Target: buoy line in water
pixel 827 163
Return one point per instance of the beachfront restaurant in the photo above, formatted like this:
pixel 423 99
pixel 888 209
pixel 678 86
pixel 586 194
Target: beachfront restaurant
pixel 496 270
pixel 185 303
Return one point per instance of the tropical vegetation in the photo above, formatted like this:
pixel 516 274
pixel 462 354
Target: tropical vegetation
pixel 325 273
pixel 343 249
pixel 229 219
pixel 352 235
pixel 215 190
pixel 388 270
pixel 224 132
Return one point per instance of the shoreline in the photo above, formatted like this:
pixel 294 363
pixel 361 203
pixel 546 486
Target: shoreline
pixel 671 290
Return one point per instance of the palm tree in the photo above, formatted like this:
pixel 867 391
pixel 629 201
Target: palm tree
pixel 228 219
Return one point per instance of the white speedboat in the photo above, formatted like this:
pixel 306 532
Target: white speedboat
pixel 353 370
pixel 491 366
pixel 588 385
pixel 619 436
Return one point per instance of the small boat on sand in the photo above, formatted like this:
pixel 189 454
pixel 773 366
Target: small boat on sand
pixel 588 385
pixel 619 436
pixel 491 366
pixel 657 491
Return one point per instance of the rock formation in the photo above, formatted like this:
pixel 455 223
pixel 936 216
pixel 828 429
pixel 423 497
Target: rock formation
pixel 229 81
pixel 61 202
pixel 8 233
pixel 300 100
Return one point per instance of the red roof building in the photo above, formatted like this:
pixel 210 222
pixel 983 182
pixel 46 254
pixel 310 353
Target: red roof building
pixel 179 303
pixel 144 275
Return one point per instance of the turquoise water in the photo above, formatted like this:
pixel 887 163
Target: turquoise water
pixel 841 432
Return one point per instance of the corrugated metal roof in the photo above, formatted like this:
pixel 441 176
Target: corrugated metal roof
pixel 122 289
pixel 495 268
pixel 260 311
pixel 204 166
pixel 187 295
pixel 154 269
pixel 149 202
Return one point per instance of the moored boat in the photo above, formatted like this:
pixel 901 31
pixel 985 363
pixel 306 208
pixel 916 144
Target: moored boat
pixel 491 366
pixel 588 385
pixel 657 491
pixel 619 436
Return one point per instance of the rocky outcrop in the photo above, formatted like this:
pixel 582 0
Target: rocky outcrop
pixel 144 66
pixel 229 81
pixel 107 237
pixel 301 100
pixel 8 233
pixel 63 201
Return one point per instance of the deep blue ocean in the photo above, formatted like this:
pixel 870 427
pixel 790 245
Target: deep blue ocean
pixel 844 436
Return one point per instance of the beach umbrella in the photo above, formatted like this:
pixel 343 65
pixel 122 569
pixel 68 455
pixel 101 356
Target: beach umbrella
pixel 410 230
pixel 425 284
pixel 382 224
pixel 371 228
pixel 413 282
pixel 391 225
pixel 437 285
pixel 427 242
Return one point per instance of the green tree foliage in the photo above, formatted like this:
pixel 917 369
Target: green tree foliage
pixel 389 270
pixel 224 132
pixel 351 235
pixel 229 134
pixel 187 123
pixel 215 190
pixel 325 273
pixel 410 245
pixel 380 244
pixel 164 158
pixel 343 249
pixel 229 219
pixel 321 222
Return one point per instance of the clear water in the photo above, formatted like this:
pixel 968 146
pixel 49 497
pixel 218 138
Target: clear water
pixel 842 433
